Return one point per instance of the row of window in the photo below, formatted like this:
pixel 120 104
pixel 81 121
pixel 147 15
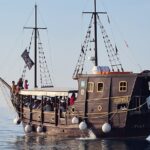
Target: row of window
pixel 100 86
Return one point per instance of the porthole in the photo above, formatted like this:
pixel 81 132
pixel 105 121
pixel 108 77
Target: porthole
pixel 72 110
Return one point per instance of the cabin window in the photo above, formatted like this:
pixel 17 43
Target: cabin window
pixel 82 84
pixel 122 106
pixel 122 86
pixel 90 87
pixel 100 87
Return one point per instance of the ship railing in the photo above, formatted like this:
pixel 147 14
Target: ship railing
pixel 139 103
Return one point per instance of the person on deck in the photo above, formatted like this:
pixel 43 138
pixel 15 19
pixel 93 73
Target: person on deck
pixel 48 106
pixel 20 83
pixel 13 88
pixel 19 86
pixel 72 99
pixel 26 85
pixel 17 90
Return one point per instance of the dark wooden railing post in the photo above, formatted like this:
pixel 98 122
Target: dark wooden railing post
pixel 22 98
pixel 56 112
pixel 42 114
pixel 31 102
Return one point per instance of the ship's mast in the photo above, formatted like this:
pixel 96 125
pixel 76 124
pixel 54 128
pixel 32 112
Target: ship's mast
pixel 95 33
pixel 95 13
pixel 35 48
pixel 35 28
pixel 111 51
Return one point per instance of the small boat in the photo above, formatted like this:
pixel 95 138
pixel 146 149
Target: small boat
pixel 109 103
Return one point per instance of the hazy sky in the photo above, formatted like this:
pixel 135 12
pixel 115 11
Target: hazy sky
pixel 66 28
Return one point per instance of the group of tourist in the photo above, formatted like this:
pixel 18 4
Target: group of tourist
pixel 50 103
pixel 20 85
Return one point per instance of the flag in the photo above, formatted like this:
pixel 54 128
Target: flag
pixel 27 59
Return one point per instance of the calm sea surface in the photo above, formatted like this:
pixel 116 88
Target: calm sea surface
pixel 12 137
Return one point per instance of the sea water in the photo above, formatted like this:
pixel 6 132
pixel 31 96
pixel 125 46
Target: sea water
pixel 12 137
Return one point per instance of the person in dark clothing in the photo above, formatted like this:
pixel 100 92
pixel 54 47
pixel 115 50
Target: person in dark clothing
pixel 26 85
pixel 20 83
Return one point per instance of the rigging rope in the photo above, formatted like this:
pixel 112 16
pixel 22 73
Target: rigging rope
pixel 115 112
pixel 28 49
pixel 84 48
pixel 112 53
pixel 7 96
pixel 45 77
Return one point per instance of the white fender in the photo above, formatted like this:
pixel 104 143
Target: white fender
pixel 82 125
pixel 106 127
pixel 28 128
pixel 75 120
pixel 17 121
pixel 39 129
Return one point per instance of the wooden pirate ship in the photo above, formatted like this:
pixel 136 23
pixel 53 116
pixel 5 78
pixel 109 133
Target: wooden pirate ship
pixel 108 102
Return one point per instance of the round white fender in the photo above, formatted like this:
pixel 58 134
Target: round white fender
pixel 39 129
pixel 106 127
pixel 82 125
pixel 75 120
pixel 28 128
pixel 17 121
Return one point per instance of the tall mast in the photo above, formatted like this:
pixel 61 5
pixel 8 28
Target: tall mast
pixel 95 33
pixel 95 13
pixel 35 28
pixel 35 48
pixel 111 51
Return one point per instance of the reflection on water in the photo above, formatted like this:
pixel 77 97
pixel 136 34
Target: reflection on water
pixel 12 137
pixel 11 140
pixel 51 143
